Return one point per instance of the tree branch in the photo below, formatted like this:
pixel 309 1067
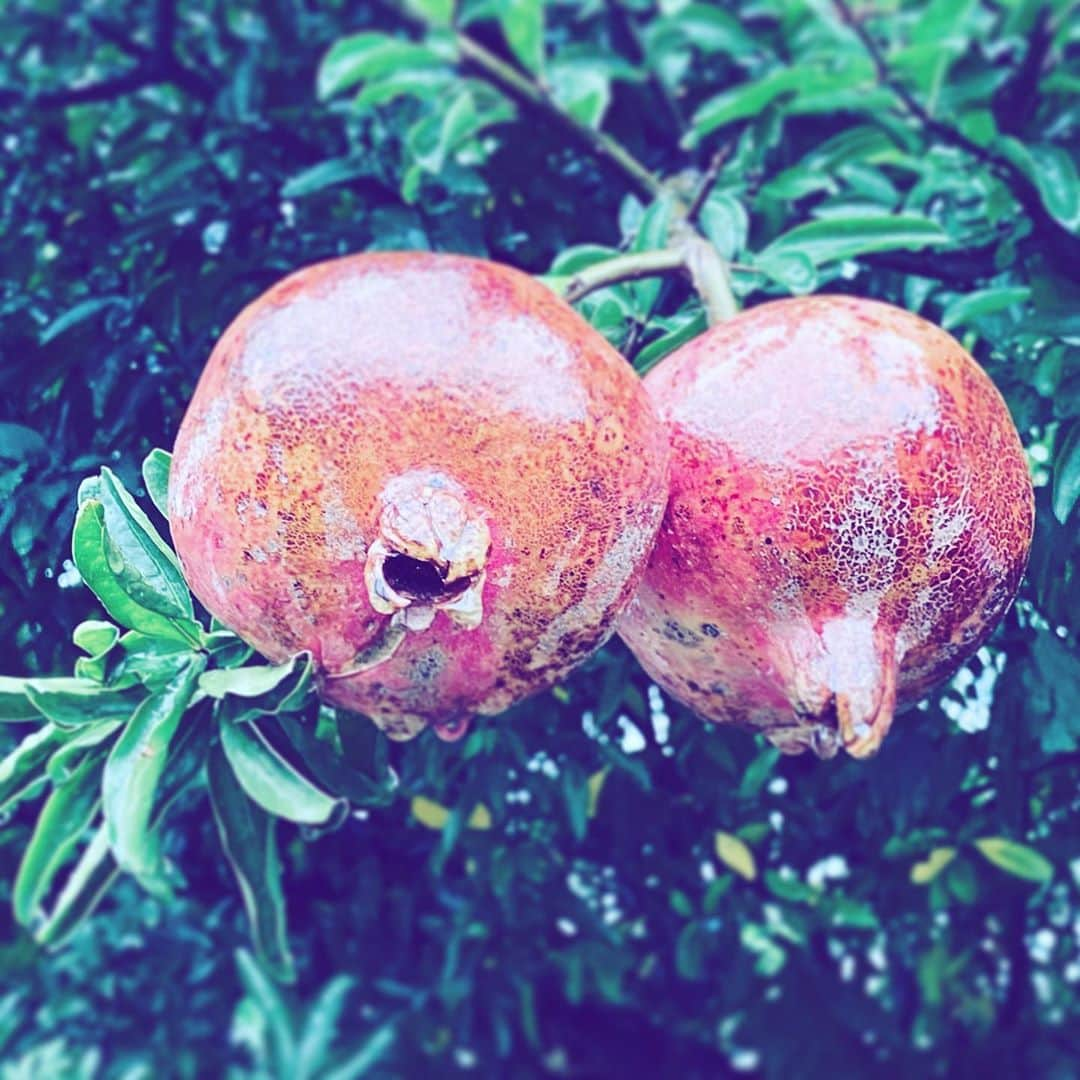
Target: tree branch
pixel 155 64
pixel 707 182
pixel 1060 244
pixel 528 93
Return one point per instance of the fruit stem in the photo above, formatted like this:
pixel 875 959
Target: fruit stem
pixel 693 253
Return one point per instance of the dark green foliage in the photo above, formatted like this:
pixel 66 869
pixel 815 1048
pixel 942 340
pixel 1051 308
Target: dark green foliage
pixel 595 883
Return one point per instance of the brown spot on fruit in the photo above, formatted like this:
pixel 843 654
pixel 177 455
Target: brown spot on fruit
pixel 875 524
pixel 432 464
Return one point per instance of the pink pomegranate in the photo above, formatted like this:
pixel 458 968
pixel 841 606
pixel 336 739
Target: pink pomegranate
pixel 428 471
pixel 850 515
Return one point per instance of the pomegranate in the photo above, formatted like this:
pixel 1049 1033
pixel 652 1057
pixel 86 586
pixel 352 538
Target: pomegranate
pixel 427 470
pixel 850 515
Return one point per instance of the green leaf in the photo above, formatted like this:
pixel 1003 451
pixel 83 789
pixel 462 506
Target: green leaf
pixel 248 838
pixel 370 55
pixel 96 869
pixel 656 350
pixel 581 90
pixel 273 1009
pixel 257 680
pixel 522 23
pixel 151 661
pixel 321 1026
pixel 846 238
pixel 71 703
pixel 243 699
pixel 272 781
pixel 15 703
pixel 725 222
pixel 95 637
pixel 689 951
pixel 966 309
pixel 1066 488
pixel 435 12
pixel 576 794
pixel 1053 172
pixel 365 782
pixel 794 270
pixel 90 551
pixel 746 99
pixel 757 772
pixel 425 84
pixel 145 564
pixel 326 174
pixel 155 474
pixel 374 1048
pixel 83 890
pixel 62 763
pixel 21 443
pixel 1017 859
pixel 132 773
pixel 63 820
pixel 78 314
pixel 21 771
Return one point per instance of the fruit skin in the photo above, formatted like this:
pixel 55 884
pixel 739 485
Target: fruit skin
pixel 850 515
pixel 393 406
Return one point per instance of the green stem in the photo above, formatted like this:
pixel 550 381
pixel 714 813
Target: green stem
pixel 694 254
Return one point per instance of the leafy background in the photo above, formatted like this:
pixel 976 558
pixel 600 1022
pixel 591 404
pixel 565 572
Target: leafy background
pixel 597 879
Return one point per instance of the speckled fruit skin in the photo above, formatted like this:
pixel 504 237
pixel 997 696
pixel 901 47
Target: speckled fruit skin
pixel 427 470
pixel 850 515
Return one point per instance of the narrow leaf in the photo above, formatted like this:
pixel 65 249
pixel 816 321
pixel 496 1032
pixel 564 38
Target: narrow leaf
pixel 155 474
pixel 1066 488
pixel 62 762
pixel 1017 859
pixel 72 703
pixel 735 854
pixel 522 23
pixel 15 703
pixel 248 837
pixel 132 773
pixel 22 769
pixel 845 238
pixel 251 682
pixel 272 781
pixel 66 815
pixel 143 561
pixel 965 309
pixel 91 555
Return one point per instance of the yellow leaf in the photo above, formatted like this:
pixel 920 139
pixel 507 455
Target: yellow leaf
pixel 731 851
pixel 922 873
pixel 596 782
pixel 434 815
pixel 429 813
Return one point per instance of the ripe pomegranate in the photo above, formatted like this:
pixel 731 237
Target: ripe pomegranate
pixel 428 471
pixel 850 515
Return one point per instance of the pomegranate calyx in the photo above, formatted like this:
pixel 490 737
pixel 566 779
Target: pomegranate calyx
pixel 429 554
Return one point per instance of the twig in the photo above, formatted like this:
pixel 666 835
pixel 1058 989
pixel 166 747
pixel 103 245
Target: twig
pixel 707 182
pixel 526 92
pixel 693 254
pixel 631 267
pixel 1062 244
